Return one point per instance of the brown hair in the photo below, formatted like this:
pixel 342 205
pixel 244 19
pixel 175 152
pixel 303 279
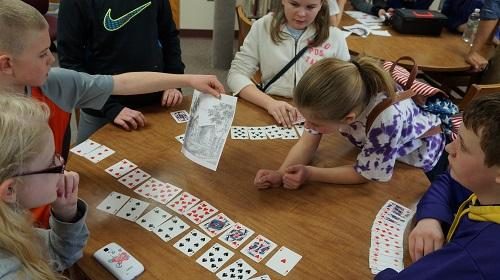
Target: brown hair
pixel 331 88
pixel 482 115
pixel 321 24
pixel 16 20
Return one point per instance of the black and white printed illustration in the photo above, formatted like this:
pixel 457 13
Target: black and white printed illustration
pixel 208 127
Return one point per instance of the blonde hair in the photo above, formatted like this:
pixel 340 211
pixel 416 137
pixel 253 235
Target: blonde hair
pixel 321 23
pixel 331 88
pixel 17 19
pixel 23 125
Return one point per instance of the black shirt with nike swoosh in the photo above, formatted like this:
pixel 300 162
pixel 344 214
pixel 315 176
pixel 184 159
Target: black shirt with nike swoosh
pixel 117 36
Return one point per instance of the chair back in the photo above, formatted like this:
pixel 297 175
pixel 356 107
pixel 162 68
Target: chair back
pixel 244 24
pixel 477 90
pixel 41 5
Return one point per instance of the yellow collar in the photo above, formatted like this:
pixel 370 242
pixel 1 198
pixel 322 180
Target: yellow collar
pixel 475 212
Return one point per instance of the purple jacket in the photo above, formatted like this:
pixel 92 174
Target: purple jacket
pixel 472 253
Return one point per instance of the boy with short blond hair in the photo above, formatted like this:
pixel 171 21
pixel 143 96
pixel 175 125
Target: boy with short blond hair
pixel 25 68
pixel 458 228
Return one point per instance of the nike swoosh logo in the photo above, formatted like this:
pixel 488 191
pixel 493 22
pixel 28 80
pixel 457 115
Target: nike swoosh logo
pixel 115 24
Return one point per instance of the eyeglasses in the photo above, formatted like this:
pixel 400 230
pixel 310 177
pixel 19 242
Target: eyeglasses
pixel 58 168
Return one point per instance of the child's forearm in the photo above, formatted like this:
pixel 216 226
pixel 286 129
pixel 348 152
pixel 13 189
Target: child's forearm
pixel 484 33
pixel 344 175
pixel 252 94
pixel 145 82
pixel 302 152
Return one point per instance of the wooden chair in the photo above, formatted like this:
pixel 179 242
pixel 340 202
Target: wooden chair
pixel 476 90
pixel 244 24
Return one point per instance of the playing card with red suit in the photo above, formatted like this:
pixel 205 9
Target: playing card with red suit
pixel 121 168
pixel 283 261
pixel 200 212
pixel 134 178
pixel 183 202
pixel 99 154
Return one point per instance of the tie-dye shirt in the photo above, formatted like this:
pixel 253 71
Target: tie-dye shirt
pixel 394 136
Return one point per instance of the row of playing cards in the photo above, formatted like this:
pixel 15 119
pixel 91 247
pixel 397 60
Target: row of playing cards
pixel 386 250
pixel 167 227
pixel 92 151
pixel 266 132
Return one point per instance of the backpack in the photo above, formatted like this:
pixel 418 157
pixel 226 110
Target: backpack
pixel 428 98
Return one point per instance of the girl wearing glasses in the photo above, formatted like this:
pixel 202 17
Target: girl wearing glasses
pixel 31 175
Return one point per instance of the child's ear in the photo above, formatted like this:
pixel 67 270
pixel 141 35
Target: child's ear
pixel 7 191
pixel 497 175
pixel 349 118
pixel 5 64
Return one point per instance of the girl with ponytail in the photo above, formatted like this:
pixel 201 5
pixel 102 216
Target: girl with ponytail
pixel 335 95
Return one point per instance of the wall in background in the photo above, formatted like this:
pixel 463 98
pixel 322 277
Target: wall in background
pixel 197 14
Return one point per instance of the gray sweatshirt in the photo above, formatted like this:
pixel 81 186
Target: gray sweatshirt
pixel 63 241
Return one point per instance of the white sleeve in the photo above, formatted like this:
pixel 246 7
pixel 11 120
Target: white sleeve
pixel 341 51
pixel 246 61
pixel 334 7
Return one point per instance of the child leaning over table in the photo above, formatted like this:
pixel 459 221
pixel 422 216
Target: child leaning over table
pixel 335 95
pixel 463 205
pixel 25 68
pixel 32 174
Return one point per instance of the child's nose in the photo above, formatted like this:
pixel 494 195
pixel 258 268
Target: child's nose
pixel 52 59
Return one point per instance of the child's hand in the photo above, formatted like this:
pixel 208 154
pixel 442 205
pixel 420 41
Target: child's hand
pixel 129 119
pixel 267 178
pixel 284 113
pixel 64 208
pixel 295 176
pixel 208 84
pixel 171 97
pixel 425 238
pixel 477 61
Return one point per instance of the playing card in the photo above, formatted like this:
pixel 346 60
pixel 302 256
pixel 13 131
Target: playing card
pixel 153 218
pixel 192 242
pixel 99 154
pixel 180 138
pixel 300 120
pixel 165 193
pixel 200 212
pixel 133 209
pixel 236 235
pixel 134 178
pixel 262 277
pixel 120 168
pixel 273 132
pixel 113 202
pixel 300 129
pixel 239 132
pixel 180 116
pixel 183 202
pixel 171 228
pixel 237 270
pixel 215 257
pixel 85 147
pixel 151 186
pixel 288 133
pixel 258 248
pixel 257 133
pixel 283 261
pixel 216 224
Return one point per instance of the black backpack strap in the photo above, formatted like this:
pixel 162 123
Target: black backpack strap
pixel 284 69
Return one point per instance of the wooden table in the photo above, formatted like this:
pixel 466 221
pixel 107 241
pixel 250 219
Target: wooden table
pixel 445 53
pixel 329 225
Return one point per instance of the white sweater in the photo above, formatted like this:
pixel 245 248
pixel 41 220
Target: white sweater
pixel 259 52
